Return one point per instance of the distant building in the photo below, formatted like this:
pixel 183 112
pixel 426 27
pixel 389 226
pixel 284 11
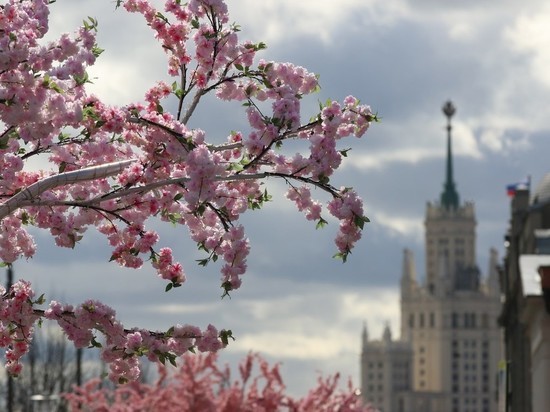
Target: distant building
pixel 525 314
pixel 450 337
pixel 387 370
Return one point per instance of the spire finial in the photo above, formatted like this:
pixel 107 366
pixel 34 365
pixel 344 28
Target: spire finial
pixel 449 197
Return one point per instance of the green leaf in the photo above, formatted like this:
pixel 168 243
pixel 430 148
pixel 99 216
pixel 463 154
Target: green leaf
pixel 96 50
pixel 95 344
pixel 226 288
pixel 202 262
pixel 360 221
pixel 90 24
pixel 344 152
pixel 161 16
pixel 4 141
pixel 26 219
pixel 74 239
pixel 225 335
pixel 63 136
pixel 324 179
pixel 321 223
pixel 49 84
pixel 40 300
pixel 341 255
pixel 168 287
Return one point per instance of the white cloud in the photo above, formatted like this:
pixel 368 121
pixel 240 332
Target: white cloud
pixel 281 21
pixel 307 327
pixel 402 226
pixel 530 36
pixel 492 139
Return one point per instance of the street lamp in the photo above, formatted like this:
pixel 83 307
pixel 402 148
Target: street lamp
pixel 44 403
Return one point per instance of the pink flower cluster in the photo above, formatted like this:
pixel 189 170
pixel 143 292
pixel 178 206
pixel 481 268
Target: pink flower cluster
pixel 118 168
pixel 348 208
pixel 16 323
pixel 121 349
pixel 202 384
pixel 302 197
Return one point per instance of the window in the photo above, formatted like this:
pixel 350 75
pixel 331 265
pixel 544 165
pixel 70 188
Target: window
pixel 454 320
pixel 485 320
pixel 432 320
pixel 411 320
pixel 421 320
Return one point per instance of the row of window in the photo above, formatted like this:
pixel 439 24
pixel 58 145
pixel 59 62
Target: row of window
pixel 470 389
pixel 469 320
pixel 470 343
pixel 470 405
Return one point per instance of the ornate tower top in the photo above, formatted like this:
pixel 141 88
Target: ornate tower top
pixel 449 197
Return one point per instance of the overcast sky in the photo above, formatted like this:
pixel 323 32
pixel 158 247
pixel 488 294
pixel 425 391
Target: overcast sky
pixel 404 58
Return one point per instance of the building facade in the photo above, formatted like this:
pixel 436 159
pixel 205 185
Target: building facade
pixel 525 317
pixel 449 322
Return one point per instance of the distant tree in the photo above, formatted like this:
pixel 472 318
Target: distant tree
pixel 117 168
pixel 200 384
pixel 49 369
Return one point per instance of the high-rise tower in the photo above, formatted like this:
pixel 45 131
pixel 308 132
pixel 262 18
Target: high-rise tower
pixel 448 321
pixel 450 234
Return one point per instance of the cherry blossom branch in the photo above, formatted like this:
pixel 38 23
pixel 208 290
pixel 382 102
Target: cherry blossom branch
pixel 169 170
pixel 31 193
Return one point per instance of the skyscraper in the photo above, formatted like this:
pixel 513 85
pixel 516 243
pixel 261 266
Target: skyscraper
pixel 448 321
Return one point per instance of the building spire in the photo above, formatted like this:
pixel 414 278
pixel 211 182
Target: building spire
pixel 449 197
pixel 408 272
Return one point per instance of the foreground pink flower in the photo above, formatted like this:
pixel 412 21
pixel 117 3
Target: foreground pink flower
pixel 116 168
pixel 201 384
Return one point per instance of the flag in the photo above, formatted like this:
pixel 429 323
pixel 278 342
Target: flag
pixel 523 185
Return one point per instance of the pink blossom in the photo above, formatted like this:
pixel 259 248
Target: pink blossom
pixel 123 169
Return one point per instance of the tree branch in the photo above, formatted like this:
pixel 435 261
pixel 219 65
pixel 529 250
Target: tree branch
pixel 28 196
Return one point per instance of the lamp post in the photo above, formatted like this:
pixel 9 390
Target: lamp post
pixel 46 403
pixel 10 394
